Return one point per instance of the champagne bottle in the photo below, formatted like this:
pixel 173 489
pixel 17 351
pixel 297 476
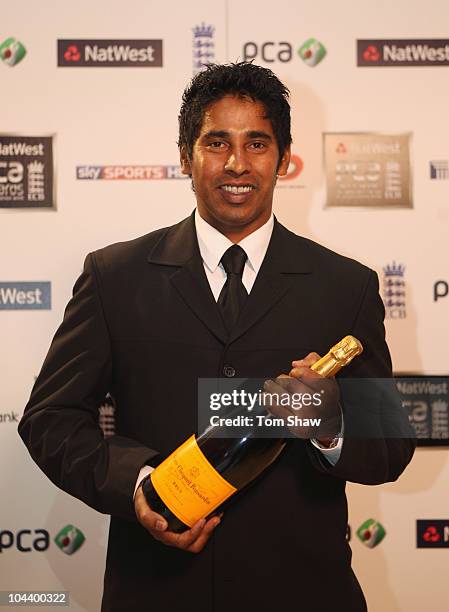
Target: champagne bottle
pixel 201 474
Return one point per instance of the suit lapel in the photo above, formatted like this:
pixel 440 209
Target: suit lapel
pixel 280 267
pixel 178 249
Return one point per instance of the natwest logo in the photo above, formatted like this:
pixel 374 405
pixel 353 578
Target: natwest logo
pixel 109 53
pixel 403 52
pixel 25 295
pixel 371 54
pixel 72 54
pixel 432 533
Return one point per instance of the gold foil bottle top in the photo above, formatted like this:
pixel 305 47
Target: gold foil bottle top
pixel 339 356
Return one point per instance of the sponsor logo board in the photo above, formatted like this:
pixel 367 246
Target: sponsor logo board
pixel 26 171
pixel 25 295
pixel 426 399
pixel 402 52
pixel 368 169
pixel 432 533
pixel 108 53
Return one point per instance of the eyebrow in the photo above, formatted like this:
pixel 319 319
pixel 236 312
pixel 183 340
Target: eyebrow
pixel 225 134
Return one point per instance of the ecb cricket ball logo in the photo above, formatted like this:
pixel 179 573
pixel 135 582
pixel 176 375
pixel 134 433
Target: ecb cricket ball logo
pixel 12 51
pixel 69 539
pixel 371 533
pixel 312 52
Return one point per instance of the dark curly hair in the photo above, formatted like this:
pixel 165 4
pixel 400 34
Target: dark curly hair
pixel 242 79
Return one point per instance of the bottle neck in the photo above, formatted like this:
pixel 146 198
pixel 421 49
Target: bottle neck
pixel 327 366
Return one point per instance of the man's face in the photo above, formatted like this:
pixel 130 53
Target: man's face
pixel 234 166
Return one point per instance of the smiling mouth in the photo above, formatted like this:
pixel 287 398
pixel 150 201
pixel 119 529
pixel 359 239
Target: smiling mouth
pixel 237 189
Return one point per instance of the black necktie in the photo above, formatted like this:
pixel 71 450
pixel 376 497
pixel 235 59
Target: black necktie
pixel 233 295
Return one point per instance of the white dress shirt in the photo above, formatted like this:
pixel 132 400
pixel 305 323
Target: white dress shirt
pixel 212 245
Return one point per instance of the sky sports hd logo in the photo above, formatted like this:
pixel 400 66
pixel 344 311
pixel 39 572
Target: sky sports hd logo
pixel 403 52
pixel 129 173
pixel 73 53
pixel 25 295
pixel 12 51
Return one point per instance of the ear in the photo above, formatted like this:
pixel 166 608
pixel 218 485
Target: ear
pixel 185 162
pixel 284 163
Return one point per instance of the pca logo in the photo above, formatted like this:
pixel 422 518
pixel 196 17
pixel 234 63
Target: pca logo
pixel 394 291
pixel 69 539
pixel 371 533
pixel 12 51
pixel 312 51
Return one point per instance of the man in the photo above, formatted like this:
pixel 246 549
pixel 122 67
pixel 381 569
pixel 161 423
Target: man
pixel 151 316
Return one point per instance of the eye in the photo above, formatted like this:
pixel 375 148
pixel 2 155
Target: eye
pixel 216 144
pixel 258 145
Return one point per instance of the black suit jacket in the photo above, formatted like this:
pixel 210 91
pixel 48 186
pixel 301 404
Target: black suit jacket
pixel 143 324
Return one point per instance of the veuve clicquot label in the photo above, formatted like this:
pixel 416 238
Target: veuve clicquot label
pixel 189 485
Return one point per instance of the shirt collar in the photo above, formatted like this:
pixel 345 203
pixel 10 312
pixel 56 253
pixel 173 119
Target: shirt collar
pixel 213 244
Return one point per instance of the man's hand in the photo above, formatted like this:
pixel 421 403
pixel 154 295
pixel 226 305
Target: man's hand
pixel 193 540
pixel 302 380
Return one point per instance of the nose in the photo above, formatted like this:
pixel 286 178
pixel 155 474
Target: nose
pixel 237 162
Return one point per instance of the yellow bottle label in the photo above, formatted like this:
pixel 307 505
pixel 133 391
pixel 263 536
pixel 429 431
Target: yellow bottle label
pixel 189 485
